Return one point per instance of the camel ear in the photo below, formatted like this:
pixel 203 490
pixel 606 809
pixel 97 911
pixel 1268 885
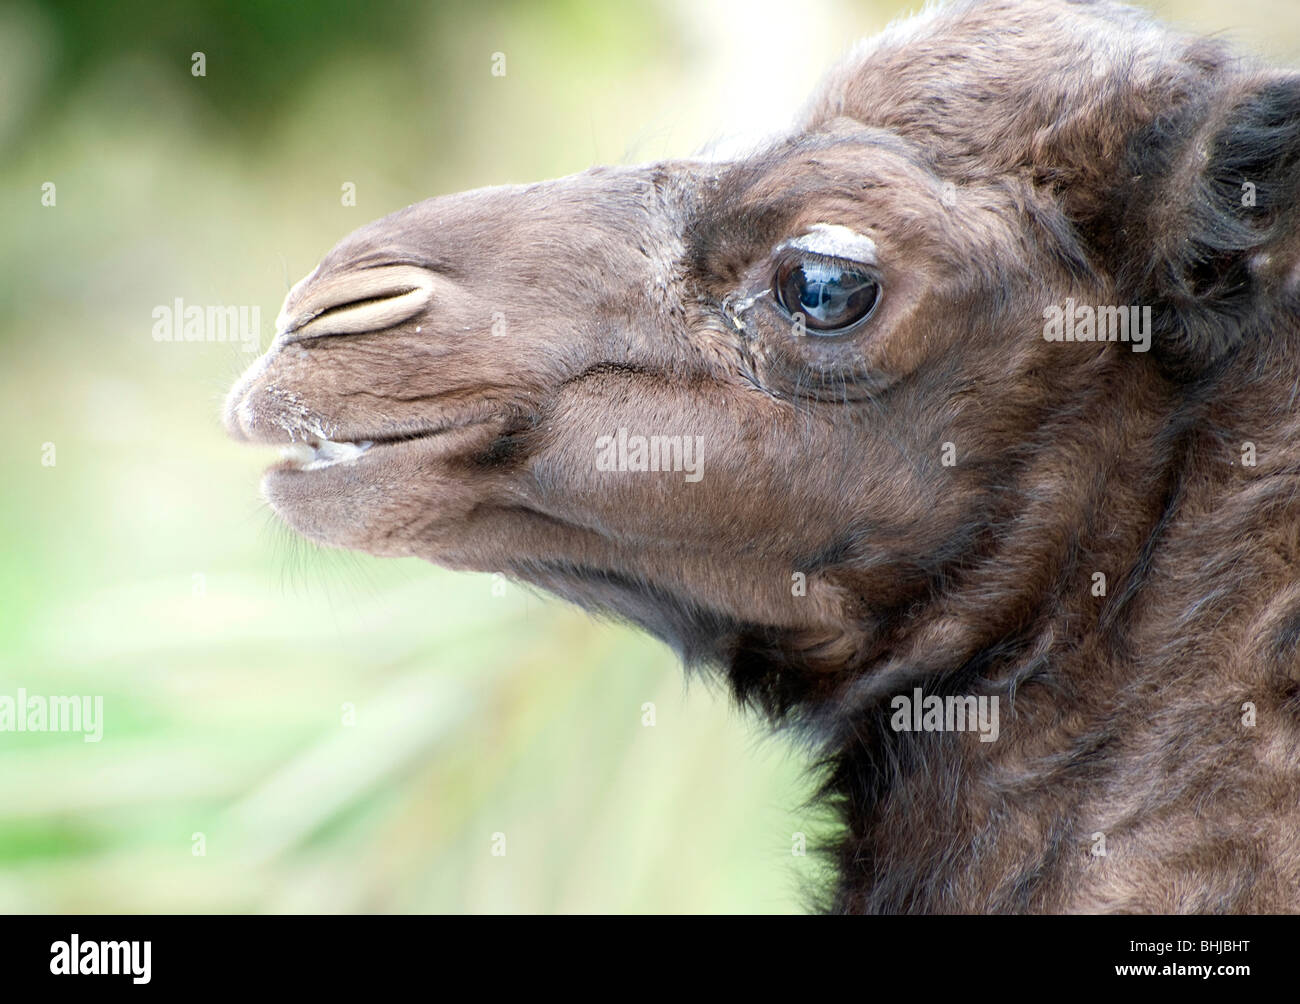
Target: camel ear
pixel 1207 228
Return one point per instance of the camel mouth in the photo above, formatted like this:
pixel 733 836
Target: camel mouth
pixel 309 452
pixel 317 454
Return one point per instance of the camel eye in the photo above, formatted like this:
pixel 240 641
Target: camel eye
pixel 831 295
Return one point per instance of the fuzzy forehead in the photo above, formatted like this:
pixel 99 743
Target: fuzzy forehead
pixel 983 33
pixel 958 75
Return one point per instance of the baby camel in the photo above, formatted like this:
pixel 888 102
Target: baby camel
pixel 973 393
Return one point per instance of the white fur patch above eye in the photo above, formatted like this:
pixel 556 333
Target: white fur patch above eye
pixel 835 241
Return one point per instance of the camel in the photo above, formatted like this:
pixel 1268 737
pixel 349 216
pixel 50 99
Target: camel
pixel 988 370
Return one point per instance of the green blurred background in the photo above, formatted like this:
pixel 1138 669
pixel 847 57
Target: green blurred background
pixel 143 567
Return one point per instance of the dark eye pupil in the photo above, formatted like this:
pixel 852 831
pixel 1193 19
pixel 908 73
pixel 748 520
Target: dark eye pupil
pixel 829 296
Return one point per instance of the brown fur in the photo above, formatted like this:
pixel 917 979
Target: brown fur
pixel 1003 156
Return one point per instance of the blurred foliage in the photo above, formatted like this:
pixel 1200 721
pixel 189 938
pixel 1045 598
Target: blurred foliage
pixel 143 567
pixel 274 47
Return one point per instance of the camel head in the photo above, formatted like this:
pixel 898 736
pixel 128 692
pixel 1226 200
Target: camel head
pixel 780 407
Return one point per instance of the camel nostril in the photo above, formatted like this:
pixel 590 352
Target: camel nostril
pixel 354 302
